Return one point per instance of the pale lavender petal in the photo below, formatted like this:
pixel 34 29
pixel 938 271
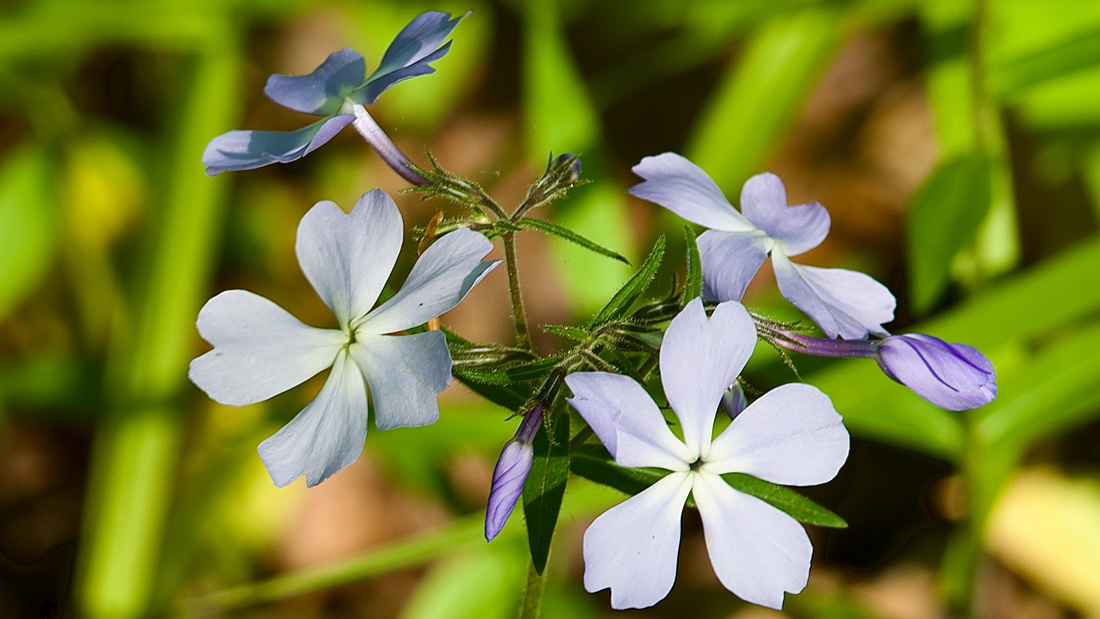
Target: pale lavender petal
pixel 632 547
pixel 952 376
pixel 757 551
pixel 510 473
pixel 730 260
pixel 439 280
pixel 685 189
pixel 259 349
pixel 733 403
pixel 322 91
pixel 627 422
pixel 326 436
pixel 413 50
pixel 843 303
pixel 700 359
pixel 797 229
pixel 246 150
pixel 348 257
pixel 405 373
pixel 792 435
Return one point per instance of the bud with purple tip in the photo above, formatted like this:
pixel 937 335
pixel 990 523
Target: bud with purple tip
pixel 511 472
pixel 952 376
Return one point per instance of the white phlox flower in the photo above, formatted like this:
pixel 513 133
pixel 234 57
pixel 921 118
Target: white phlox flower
pixel 260 350
pixel 791 435
pixel 843 303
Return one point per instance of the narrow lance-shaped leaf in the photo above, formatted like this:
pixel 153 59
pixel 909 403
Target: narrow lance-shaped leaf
pixel 568 235
pixel 545 487
pixel 944 219
pixel 783 498
pixel 573 333
pixel 512 397
pixel 693 285
pixel 633 288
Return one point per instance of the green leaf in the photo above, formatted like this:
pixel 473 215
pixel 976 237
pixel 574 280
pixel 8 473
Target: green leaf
pixel 486 382
pixel 786 500
pixel 533 370
pixel 633 288
pixel 943 219
pixel 545 487
pixel 29 221
pixel 568 235
pixel 573 333
pixel 604 471
pixel 693 285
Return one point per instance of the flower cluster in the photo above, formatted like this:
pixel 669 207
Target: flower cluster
pixel 791 435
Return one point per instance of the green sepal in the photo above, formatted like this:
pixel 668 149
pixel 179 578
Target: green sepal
pixel 568 235
pixel 633 288
pixel 545 487
pixel 573 333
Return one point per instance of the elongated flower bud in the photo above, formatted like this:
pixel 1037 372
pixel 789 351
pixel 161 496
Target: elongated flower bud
pixel 952 376
pixel 511 471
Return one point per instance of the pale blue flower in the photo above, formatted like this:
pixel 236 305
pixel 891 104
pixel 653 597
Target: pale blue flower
pixel 791 435
pixel 843 303
pixel 260 350
pixel 336 90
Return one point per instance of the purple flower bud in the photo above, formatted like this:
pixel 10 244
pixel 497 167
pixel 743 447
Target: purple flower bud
pixel 952 376
pixel 734 401
pixel 512 468
pixel 575 169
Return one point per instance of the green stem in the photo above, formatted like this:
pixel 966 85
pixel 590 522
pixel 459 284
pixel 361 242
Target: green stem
pixel 459 537
pixel 532 593
pixel 137 443
pixel 519 313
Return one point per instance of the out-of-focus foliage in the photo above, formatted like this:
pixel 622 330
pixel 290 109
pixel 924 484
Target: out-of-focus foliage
pixel 955 144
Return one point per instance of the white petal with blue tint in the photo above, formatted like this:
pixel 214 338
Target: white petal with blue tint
pixel 685 189
pixel 411 53
pixel 730 260
pixel 405 374
pixel 632 547
pixel 757 551
pixel 627 422
pixel 327 435
pixel 843 303
pixel 323 90
pixel 259 349
pixel 348 257
pixel 797 229
pixel 700 358
pixel 439 280
pixel 247 150
pixel 791 435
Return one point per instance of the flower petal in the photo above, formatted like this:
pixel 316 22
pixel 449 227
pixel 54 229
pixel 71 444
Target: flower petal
pixel 792 435
pixel 952 376
pixel 757 551
pixel 632 547
pixel 348 257
pixel 730 261
pixel 326 436
pixel 797 229
pixel 322 91
pixel 509 475
pixel 439 280
pixel 411 53
pixel 627 422
pixel 259 349
pixel 843 303
pixel 246 150
pixel 700 359
pixel 405 374
pixel 685 189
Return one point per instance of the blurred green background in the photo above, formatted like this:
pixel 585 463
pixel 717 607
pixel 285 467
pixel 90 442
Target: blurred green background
pixel 955 143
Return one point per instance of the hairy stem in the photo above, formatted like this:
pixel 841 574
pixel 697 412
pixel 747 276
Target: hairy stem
pixel 532 593
pixel 519 313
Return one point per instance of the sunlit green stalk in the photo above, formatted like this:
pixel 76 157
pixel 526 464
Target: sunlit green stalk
pixel 459 537
pixel 531 606
pixel 137 443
